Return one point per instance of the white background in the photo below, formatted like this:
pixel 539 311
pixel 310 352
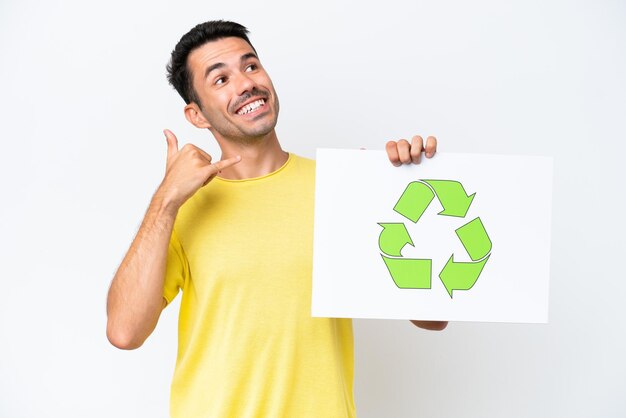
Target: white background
pixel 83 100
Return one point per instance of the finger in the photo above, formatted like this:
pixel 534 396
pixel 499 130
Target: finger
pixel 172 143
pixel 404 151
pixel 431 146
pixel 417 145
pixel 392 153
pixel 195 152
pixel 224 164
pixel 204 154
pixel 213 169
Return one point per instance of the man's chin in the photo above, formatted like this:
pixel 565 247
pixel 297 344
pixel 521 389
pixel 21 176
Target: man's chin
pixel 253 136
pixel 252 132
pixel 259 132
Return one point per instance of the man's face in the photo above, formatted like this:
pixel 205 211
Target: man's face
pixel 237 96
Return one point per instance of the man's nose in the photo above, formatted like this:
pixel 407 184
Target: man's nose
pixel 245 84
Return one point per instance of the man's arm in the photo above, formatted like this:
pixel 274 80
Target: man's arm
pixel 135 299
pixel 403 152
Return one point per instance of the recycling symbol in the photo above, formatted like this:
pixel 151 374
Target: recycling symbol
pixel 414 273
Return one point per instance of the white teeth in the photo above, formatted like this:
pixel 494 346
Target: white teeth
pixel 250 107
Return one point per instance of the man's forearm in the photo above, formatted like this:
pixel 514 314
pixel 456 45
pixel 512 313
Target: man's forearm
pixel 135 299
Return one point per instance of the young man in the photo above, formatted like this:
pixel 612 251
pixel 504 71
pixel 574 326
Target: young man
pixel 239 248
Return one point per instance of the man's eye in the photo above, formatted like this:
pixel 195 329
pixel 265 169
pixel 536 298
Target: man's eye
pixel 220 80
pixel 251 67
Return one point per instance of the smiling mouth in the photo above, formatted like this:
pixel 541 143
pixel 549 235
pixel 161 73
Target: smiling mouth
pixel 251 107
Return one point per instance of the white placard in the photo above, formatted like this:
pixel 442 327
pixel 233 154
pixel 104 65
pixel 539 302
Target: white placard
pixel 484 257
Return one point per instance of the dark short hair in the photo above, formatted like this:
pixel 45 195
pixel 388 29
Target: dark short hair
pixel 178 73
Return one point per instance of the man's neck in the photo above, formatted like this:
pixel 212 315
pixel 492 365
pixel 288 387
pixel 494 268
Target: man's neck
pixel 258 158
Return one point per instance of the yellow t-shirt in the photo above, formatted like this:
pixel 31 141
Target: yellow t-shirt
pixel 241 252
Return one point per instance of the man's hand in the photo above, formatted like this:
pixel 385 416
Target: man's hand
pixel 187 170
pixel 430 325
pixel 403 152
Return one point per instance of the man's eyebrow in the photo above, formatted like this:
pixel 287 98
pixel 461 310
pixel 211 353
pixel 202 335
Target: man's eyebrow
pixel 247 56
pixel 218 65
pixel 213 67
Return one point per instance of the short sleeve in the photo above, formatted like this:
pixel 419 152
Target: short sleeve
pixel 176 269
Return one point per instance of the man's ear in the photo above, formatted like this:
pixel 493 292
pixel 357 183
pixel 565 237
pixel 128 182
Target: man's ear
pixel 195 117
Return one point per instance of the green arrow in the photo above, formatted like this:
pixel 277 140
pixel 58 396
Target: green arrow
pixel 452 196
pixel 409 273
pixel 414 201
pixel 393 238
pixel 461 276
pixel 475 239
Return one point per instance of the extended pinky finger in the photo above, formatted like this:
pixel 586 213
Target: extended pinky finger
pixel 221 165
pixel 214 169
